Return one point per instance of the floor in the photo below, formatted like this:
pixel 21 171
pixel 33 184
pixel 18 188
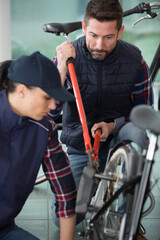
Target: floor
pixel 36 214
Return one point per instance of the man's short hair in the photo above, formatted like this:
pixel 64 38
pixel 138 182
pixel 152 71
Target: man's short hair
pixel 104 10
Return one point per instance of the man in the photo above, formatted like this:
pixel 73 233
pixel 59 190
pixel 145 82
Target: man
pixel 30 86
pixel 112 76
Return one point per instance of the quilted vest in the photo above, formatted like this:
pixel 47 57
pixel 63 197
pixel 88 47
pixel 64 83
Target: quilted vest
pixel 105 86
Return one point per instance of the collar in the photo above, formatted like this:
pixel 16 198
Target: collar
pixel 8 119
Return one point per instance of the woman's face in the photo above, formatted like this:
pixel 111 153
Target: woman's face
pixel 38 103
pixel 31 102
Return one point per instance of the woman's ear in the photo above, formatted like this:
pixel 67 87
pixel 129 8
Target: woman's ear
pixel 21 89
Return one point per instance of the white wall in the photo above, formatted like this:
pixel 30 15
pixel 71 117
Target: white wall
pixel 5 42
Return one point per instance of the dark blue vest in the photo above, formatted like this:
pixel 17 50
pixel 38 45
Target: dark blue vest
pixel 23 142
pixel 105 87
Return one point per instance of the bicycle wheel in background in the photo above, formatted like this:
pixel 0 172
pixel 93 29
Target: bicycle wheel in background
pixel 122 165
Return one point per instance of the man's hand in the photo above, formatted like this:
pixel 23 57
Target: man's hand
pixel 107 129
pixel 64 51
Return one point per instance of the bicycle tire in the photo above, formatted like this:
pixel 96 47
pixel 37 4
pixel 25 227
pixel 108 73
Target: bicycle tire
pixel 109 223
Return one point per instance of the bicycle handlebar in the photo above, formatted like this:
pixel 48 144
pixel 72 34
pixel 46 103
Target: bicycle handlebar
pixel 141 8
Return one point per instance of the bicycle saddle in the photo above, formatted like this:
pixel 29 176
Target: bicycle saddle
pixel 146 117
pixel 62 28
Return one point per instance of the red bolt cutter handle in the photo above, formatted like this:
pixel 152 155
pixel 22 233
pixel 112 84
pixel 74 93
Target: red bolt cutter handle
pixel 96 142
pixel 80 107
pixel 87 139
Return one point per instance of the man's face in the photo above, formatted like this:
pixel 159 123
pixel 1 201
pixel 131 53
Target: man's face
pixel 36 103
pixel 101 37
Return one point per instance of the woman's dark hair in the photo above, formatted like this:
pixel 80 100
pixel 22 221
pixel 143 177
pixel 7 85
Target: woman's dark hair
pixel 104 10
pixel 5 83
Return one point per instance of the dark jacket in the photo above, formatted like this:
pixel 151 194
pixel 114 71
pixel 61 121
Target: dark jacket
pixel 105 87
pixel 21 154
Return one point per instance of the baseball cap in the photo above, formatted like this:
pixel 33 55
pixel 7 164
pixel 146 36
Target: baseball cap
pixel 39 71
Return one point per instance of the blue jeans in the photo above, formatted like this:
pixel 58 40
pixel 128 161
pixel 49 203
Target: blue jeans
pixel 78 162
pixel 19 234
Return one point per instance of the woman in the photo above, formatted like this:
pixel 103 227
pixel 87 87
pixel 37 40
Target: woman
pixel 30 86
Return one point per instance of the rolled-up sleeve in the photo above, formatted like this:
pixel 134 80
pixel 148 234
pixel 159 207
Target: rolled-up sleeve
pixel 57 169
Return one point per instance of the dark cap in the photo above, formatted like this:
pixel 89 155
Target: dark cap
pixel 38 71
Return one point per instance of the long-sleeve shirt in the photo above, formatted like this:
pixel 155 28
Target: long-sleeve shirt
pixel 57 169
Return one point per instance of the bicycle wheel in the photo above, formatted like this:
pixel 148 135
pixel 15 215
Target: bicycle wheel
pixel 122 165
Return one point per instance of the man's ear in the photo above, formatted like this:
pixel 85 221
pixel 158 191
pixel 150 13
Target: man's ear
pixel 120 32
pixel 83 27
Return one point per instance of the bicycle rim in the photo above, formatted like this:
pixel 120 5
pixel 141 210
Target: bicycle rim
pixel 120 166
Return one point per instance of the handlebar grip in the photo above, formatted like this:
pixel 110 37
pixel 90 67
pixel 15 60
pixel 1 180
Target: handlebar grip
pixel 140 8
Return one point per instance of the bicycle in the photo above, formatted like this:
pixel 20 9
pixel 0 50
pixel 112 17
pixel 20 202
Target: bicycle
pixel 106 219
pixel 112 177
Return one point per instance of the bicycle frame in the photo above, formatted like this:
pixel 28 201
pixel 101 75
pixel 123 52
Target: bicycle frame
pixel 144 117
